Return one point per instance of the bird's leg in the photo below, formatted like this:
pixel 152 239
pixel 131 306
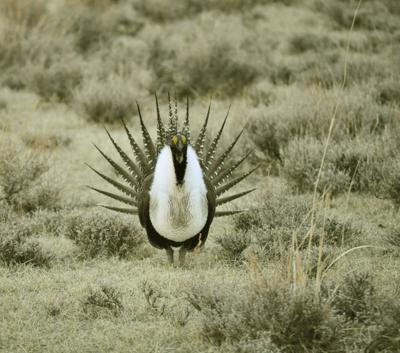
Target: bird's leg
pixel 182 254
pixel 170 255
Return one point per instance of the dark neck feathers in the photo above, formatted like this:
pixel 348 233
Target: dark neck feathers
pixel 180 168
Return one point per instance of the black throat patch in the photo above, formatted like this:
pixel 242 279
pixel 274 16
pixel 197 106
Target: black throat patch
pixel 180 168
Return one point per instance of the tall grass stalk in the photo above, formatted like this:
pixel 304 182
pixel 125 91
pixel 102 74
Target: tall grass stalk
pixel 348 197
pixel 300 269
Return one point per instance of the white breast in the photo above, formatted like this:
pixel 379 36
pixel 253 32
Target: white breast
pixel 178 212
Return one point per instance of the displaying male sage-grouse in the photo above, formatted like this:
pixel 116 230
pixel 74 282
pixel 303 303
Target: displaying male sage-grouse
pixel 174 185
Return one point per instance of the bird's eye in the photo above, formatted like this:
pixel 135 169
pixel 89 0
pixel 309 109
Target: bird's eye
pixel 183 139
pixel 175 140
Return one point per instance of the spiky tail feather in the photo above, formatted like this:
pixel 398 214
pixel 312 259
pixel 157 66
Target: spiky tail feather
pixel 214 144
pixel 133 211
pixel 161 134
pixel 199 145
pixel 149 148
pixel 228 213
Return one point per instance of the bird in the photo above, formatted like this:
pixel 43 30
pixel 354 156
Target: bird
pixel 173 184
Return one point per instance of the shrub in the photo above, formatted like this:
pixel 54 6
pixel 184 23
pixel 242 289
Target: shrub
pixel 247 220
pixel 161 303
pixel 386 339
pixel 373 15
pixel 102 234
pixel 294 322
pixel 353 299
pixel 393 239
pixel 23 181
pixel 264 137
pixel 24 12
pixel 163 11
pixel 16 247
pixel 106 101
pixel 47 141
pixel 56 82
pixel 301 165
pixel 389 92
pixel 268 230
pixel 326 68
pixel 316 259
pixel 94 25
pixel 3 104
pixel 203 58
pixel 271 230
pixel 309 113
pixel 105 298
pixel 282 217
pixel 367 163
pixel 5 214
pixel 337 233
pixel 234 244
pixel 301 43
pixel 25 52
pixel 391 181
pixel 44 195
pixel 47 222
pixel 328 71
pixel 90 30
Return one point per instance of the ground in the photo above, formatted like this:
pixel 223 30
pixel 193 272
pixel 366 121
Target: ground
pixel 311 266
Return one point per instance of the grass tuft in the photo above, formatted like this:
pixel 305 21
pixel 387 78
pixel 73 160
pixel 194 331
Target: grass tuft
pixel 104 298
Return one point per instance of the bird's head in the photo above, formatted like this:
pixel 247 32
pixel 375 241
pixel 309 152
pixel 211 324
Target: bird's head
pixel 178 145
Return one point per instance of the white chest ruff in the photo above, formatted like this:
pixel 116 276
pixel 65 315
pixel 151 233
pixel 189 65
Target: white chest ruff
pixel 178 212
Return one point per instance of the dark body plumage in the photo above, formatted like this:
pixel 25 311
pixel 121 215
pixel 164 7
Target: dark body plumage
pixel 207 183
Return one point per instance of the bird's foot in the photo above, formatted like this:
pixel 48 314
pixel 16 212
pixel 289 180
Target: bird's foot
pixel 182 256
pixel 170 256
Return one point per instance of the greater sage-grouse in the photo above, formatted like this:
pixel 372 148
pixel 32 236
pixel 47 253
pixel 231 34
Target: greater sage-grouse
pixel 174 185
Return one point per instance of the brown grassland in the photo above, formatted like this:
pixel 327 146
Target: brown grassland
pixel 313 266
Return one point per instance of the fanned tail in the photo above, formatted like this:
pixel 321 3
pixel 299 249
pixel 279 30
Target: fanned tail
pixel 134 172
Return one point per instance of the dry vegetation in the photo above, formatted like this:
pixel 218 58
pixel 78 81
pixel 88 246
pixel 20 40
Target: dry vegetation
pixel 314 267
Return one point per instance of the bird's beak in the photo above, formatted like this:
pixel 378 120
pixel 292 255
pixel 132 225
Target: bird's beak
pixel 179 157
pixel 179 154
